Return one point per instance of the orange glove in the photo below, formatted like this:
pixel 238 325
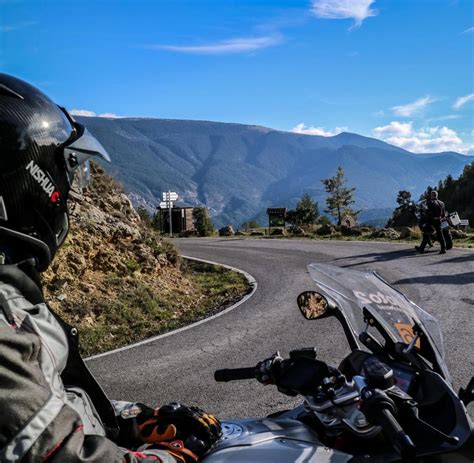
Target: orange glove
pixel 178 422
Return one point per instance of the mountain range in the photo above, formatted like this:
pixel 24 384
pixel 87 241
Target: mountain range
pixel 238 170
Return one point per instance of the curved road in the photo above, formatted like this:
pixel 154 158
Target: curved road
pixel 181 366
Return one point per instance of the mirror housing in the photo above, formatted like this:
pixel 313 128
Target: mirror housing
pixel 313 305
pixel 467 395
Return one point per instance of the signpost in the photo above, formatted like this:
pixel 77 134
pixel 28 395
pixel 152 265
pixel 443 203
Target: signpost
pixel 168 199
pixel 276 217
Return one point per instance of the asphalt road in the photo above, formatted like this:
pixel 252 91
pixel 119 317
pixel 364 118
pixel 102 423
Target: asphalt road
pixel 181 366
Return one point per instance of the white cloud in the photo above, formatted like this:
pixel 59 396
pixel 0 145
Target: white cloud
pixel 303 129
pixel 358 10
pixel 111 115
pixel 87 113
pixel 238 45
pixel 468 31
pixel 414 107
pixel 393 129
pixel 423 140
pixel 82 112
pixel 462 100
pixel 447 117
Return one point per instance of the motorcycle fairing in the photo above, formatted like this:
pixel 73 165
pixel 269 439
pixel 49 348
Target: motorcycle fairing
pixel 351 290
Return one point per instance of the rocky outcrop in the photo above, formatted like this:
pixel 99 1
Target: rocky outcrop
pixel 108 247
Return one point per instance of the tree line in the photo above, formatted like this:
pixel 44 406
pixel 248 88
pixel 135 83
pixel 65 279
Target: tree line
pixel 457 195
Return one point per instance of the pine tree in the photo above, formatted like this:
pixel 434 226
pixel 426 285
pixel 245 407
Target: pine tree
pixel 305 213
pixel 404 214
pixel 340 197
pixel 202 221
pixel 403 199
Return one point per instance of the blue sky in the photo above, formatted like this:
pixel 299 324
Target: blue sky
pixel 399 70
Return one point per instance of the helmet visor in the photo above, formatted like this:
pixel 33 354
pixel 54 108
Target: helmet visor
pixel 82 176
pixel 79 151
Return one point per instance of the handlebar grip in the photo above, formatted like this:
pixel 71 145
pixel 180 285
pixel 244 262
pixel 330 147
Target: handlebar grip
pixel 400 440
pixel 232 374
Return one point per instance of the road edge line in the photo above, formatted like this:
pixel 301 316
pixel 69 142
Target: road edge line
pixel 251 280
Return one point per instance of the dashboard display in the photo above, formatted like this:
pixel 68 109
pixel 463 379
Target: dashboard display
pixel 403 378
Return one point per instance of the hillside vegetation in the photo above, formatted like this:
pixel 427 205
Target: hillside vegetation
pixel 119 282
pixel 458 195
pixel 237 171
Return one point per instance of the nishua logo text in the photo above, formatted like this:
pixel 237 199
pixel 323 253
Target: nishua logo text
pixel 44 180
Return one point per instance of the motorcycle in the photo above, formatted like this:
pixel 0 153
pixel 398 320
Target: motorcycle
pixel 447 222
pixel 391 399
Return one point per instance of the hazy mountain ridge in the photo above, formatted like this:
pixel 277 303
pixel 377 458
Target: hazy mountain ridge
pixel 239 170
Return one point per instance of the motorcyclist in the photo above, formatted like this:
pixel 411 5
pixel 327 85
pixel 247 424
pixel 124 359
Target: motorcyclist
pixel 51 407
pixel 435 212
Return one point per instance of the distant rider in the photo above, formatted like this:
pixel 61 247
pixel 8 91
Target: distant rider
pixel 435 212
pixel 51 407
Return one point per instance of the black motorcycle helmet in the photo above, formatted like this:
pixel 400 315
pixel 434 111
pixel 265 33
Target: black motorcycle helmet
pixel 43 151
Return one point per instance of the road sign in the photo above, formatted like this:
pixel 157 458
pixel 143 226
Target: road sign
pixel 170 196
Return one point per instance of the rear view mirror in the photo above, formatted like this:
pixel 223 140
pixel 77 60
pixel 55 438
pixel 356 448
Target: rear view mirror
pixel 467 395
pixel 313 305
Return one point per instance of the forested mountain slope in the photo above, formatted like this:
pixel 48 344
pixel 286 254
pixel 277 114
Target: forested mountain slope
pixel 238 171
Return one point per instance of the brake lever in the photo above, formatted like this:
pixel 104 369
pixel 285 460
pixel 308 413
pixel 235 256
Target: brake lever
pixel 411 407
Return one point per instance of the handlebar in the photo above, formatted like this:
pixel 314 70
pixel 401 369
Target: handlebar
pixel 232 374
pixel 397 436
pixel 379 410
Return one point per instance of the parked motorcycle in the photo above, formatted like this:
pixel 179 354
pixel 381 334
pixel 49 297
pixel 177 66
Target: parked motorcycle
pixel 391 399
pixel 449 221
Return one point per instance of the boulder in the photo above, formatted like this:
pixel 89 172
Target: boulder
pixel 278 232
pixel 297 231
pixel 386 233
pixel 257 233
pixel 405 232
pixel 241 233
pixel 348 221
pixel 227 231
pixel 350 231
pixel 325 230
pixel 458 234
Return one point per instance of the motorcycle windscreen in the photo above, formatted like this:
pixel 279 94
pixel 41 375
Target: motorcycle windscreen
pixel 352 290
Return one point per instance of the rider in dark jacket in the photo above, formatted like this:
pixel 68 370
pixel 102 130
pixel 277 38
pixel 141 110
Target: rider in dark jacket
pixel 435 212
pixel 51 407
